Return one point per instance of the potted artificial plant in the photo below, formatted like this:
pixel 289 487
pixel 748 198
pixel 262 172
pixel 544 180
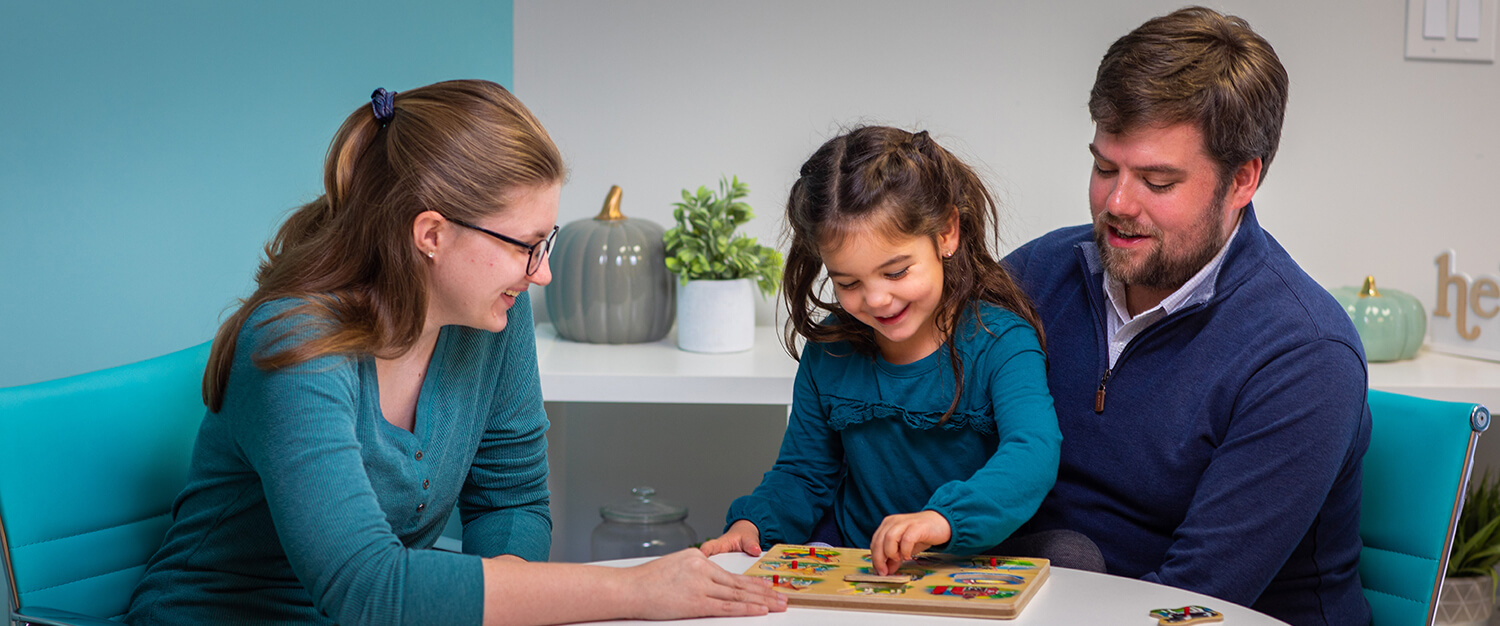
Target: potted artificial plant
pixel 719 269
pixel 1468 594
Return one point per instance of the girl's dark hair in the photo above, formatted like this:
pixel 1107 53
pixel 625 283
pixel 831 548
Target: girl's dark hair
pixel 904 185
pixel 457 147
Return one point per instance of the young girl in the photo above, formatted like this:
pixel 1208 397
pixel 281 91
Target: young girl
pixel 920 414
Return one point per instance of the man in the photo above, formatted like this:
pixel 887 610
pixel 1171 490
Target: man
pixel 1211 395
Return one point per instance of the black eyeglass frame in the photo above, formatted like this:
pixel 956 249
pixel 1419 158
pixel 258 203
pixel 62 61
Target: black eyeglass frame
pixel 533 259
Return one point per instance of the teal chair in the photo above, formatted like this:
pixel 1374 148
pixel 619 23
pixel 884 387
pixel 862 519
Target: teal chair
pixel 1415 475
pixel 92 464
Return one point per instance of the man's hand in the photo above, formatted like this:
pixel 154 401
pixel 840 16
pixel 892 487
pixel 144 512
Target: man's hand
pixel 901 536
pixel 742 536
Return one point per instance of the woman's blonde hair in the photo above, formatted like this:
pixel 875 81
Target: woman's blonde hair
pixel 457 147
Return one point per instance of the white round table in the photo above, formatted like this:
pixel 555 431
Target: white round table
pixel 1068 597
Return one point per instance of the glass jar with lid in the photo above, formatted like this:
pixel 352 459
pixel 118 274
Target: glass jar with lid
pixel 640 526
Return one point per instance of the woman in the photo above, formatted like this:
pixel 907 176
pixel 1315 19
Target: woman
pixel 384 370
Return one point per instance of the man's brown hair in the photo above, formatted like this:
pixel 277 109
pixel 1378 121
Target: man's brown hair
pixel 1196 65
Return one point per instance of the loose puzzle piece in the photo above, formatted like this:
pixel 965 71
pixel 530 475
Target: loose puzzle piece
pixel 931 583
pixel 1186 615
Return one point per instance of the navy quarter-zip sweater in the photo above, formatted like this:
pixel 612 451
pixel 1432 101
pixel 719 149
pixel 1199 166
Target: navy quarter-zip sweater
pixel 1227 455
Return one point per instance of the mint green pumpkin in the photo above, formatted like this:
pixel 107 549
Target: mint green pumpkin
pixel 609 279
pixel 1391 323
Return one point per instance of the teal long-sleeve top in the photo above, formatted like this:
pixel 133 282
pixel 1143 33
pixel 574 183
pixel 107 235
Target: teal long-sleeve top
pixel 304 505
pixel 863 438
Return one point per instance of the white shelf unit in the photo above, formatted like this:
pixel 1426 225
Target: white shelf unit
pixel 658 372
pixel 593 389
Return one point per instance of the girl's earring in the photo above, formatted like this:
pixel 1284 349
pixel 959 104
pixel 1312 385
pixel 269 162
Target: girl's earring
pixel 947 255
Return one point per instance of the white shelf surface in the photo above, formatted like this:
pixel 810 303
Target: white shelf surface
pixel 658 372
pixel 1441 377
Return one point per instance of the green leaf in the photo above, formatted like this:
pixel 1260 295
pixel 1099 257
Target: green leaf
pixel 704 244
pixel 1476 541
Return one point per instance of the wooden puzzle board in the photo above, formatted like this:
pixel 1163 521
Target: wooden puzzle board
pixel 941 584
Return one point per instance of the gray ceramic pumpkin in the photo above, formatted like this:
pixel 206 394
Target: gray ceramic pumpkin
pixel 609 279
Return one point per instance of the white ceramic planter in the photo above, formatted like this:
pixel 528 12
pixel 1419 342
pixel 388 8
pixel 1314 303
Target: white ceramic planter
pixel 716 315
pixel 1465 601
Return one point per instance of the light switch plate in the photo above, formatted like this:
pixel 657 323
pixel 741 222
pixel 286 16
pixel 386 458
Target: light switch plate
pixel 1451 48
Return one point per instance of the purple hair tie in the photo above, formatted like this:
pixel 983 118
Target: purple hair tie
pixel 383 103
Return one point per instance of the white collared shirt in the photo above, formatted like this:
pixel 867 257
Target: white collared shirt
pixel 1120 327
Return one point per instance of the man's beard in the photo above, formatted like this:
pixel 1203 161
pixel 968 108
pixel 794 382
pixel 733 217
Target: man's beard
pixel 1159 270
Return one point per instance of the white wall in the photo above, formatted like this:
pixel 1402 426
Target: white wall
pixel 1383 164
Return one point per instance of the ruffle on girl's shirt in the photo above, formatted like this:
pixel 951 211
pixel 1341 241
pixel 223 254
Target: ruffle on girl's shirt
pixel 843 413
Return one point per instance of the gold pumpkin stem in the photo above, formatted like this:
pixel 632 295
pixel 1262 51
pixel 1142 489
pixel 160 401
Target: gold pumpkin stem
pixel 1369 289
pixel 611 211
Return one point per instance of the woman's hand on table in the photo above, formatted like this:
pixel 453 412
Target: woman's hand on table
pixel 687 584
pixel 902 536
pixel 742 536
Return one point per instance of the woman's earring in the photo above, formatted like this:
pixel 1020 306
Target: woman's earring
pixel 430 253
pixel 947 255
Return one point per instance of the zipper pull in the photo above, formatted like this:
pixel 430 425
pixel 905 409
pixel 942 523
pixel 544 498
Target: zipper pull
pixel 1099 395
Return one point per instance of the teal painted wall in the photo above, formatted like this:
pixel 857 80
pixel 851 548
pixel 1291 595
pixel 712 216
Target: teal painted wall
pixel 149 149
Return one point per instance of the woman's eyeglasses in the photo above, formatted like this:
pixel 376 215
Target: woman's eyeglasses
pixel 536 251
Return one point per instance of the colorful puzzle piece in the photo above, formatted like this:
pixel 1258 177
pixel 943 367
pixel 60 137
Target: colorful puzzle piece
pixel 994 562
pixel 986 578
pixel 971 592
pixel 1186 615
pixel 808 552
pixel 793 583
pixel 800 567
pixel 874 589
